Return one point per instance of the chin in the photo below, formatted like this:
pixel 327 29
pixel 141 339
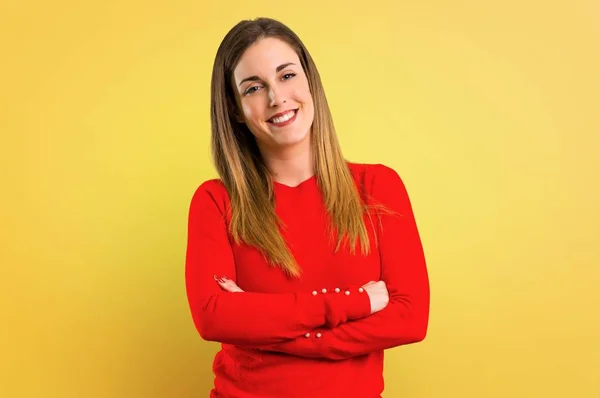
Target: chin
pixel 292 139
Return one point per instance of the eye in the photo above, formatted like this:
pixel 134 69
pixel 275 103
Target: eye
pixel 250 90
pixel 288 76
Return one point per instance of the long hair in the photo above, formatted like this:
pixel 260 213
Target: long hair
pixel 242 170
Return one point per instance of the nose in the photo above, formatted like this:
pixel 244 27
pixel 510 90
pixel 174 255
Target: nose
pixel 275 97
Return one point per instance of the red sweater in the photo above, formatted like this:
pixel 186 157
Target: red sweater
pixel 313 336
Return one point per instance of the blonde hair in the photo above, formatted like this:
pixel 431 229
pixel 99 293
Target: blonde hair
pixel 240 166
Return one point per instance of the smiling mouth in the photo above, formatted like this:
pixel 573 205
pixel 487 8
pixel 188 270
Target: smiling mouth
pixel 284 118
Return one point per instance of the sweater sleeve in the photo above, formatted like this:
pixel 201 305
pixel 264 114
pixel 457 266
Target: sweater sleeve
pixel 247 318
pixel 405 318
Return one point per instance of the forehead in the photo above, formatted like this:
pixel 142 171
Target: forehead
pixel 263 57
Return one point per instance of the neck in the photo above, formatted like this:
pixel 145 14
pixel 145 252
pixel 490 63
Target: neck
pixel 290 166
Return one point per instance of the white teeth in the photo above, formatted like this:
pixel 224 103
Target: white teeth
pixel 283 118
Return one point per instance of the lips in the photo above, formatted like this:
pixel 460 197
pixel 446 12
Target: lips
pixel 281 114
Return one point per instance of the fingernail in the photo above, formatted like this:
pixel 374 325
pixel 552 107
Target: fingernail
pixel 214 276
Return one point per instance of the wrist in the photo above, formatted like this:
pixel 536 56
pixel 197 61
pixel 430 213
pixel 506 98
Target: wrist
pixel 344 305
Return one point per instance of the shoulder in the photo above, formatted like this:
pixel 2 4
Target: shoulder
pixel 369 175
pixel 213 185
pixel 380 183
pixel 210 193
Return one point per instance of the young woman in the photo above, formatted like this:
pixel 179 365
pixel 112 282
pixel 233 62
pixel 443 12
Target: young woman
pixel 305 266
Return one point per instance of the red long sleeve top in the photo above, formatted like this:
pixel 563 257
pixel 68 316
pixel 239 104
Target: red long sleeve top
pixel 312 336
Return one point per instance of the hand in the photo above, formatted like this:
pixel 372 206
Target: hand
pixel 228 285
pixel 378 294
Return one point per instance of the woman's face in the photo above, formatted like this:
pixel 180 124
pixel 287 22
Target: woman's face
pixel 273 95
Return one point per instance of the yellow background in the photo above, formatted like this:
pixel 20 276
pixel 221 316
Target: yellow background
pixel 488 110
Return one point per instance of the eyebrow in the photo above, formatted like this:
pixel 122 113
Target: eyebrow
pixel 255 78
